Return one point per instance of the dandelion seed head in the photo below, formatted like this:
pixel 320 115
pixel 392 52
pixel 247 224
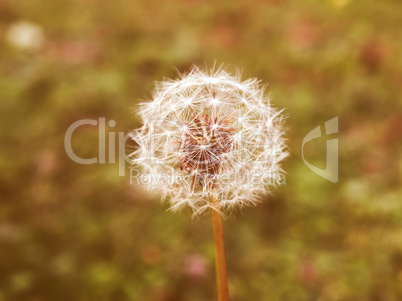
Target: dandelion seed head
pixel 210 132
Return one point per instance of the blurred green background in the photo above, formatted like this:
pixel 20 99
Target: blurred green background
pixel 81 232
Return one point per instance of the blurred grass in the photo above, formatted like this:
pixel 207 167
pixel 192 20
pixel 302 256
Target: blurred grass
pixel 80 232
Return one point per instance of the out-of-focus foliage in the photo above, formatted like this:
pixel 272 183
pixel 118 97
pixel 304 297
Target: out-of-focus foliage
pixel 81 232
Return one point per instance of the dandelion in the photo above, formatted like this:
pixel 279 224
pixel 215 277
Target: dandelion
pixel 210 141
pixel 210 133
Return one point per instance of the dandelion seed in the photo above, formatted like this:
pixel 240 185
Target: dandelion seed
pixel 206 127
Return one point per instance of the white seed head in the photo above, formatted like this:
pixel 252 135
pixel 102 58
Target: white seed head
pixel 209 133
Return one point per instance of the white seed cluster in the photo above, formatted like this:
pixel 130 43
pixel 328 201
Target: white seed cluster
pixel 209 132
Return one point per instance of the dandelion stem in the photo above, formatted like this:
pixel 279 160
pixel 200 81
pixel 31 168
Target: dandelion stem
pixel 220 260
